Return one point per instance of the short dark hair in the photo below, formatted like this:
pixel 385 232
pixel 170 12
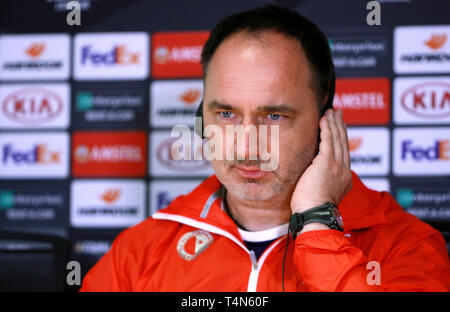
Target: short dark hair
pixel 271 17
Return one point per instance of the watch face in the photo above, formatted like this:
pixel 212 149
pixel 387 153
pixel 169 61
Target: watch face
pixel 338 218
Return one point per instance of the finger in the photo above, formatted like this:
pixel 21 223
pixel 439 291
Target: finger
pixel 326 141
pixel 335 135
pixel 344 139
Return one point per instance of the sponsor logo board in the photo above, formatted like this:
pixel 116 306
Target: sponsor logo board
pixel 421 151
pixel 369 150
pixel 430 204
pixel 175 102
pixel 162 163
pixel 363 101
pixel 422 100
pixel 109 154
pixel 163 192
pixel 34 106
pixel 101 109
pixel 358 53
pixel 422 49
pixel 177 54
pixel 92 247
pixel 111 56
pixel 34 155
pixel 107 203
pixel 379 185
pixel 32 205
pixel 34 57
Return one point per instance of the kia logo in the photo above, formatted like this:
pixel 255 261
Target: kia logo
pixel 163 154
pixel 427 100
pixel 32 105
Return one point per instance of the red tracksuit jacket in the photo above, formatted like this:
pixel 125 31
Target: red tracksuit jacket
pixel 159 254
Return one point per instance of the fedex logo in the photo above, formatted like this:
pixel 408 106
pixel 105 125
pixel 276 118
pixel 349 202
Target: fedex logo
pixel 111 56
pixel 119 54
pixel 163 200
pixel 162 193
pixel 421 151
pixel 34 155
pixel 439 150
pixel 40 153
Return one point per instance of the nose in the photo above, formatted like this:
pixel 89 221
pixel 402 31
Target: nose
pixel 247 140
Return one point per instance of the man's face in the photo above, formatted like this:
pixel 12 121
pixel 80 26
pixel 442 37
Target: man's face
pixel 262 80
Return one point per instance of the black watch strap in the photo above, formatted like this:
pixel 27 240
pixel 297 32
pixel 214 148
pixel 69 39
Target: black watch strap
pixel 327 214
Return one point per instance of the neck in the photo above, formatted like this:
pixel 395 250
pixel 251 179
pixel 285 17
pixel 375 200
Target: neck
pixel 255 215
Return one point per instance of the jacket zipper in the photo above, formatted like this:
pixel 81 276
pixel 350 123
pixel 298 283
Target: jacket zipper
pixel 253 259
pixel 255 265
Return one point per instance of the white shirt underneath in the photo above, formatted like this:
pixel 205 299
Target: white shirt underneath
pixel 264 235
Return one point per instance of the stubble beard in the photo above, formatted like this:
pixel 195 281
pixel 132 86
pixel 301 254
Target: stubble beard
pixel 282 180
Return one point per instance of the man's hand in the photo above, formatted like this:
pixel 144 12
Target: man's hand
pixel 328 178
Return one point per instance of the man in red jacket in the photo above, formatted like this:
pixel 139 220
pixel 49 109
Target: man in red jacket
pixel 271 66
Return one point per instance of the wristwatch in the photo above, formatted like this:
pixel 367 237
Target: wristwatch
pixel 327 214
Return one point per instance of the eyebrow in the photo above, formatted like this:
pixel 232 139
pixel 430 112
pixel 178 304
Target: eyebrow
pixel 217 105
pixel 278 108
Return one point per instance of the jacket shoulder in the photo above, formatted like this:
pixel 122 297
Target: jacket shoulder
pixel 146 234
pixel 400 233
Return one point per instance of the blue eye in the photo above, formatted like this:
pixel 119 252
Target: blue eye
pixel 274 116
pixel 226 114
